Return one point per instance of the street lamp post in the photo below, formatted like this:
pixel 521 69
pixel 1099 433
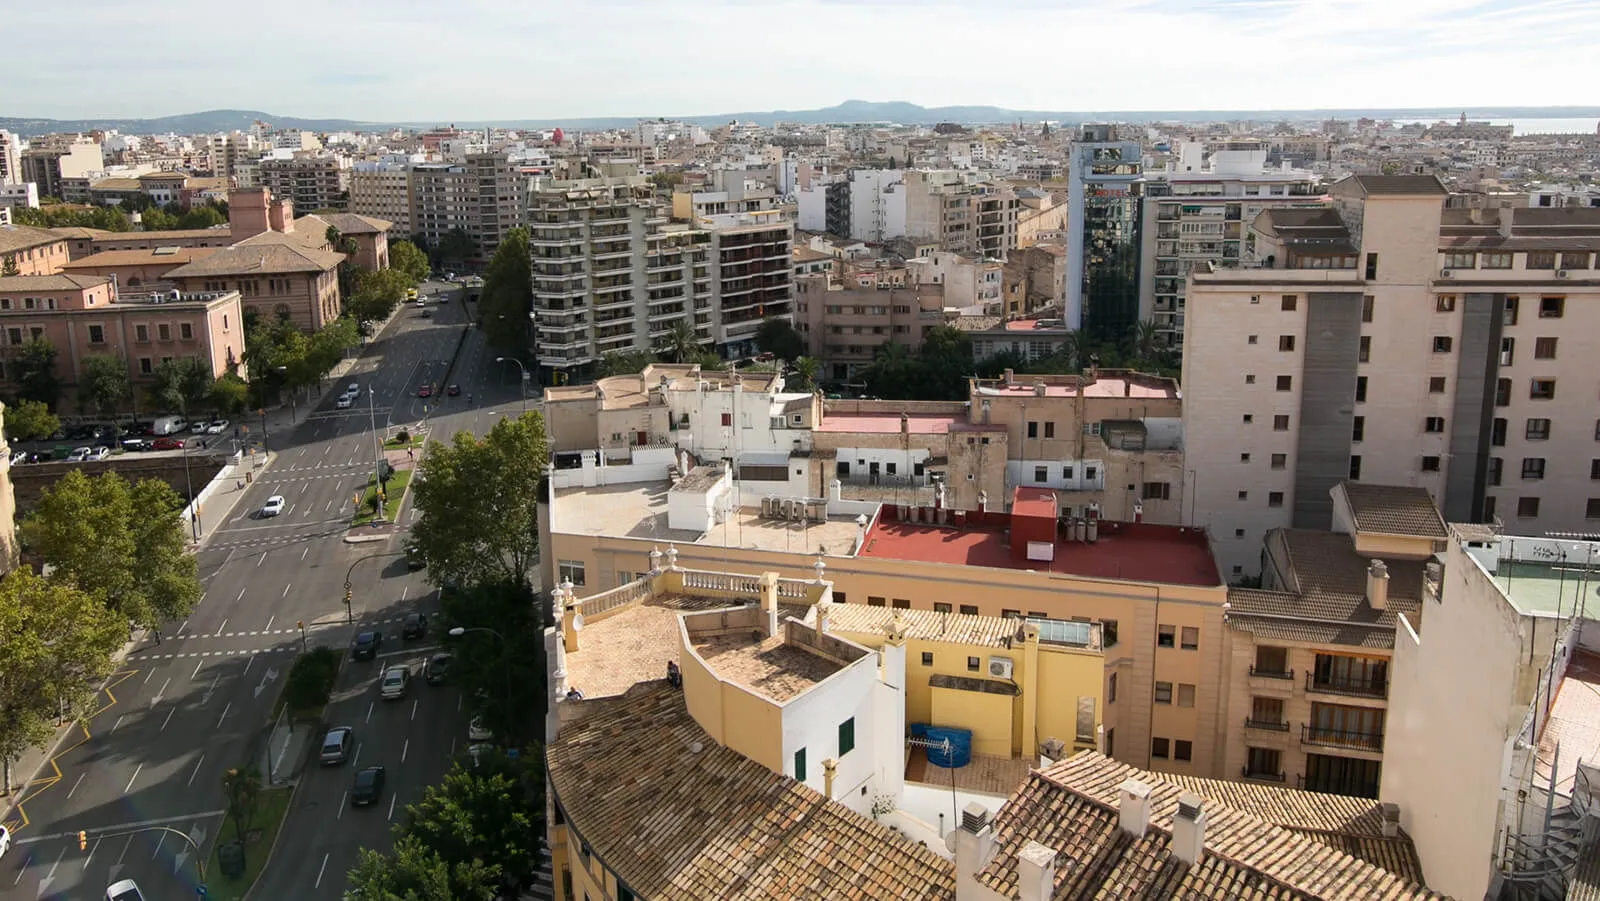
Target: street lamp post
pixel 349 574
pixel 505 666
pixel 523 370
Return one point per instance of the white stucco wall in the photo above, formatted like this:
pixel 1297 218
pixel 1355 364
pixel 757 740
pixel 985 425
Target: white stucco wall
pixel 811 721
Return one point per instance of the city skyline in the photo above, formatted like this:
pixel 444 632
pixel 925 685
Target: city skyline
pixel 697 58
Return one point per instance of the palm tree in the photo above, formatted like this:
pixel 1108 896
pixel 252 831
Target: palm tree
pixel 680 345
pixel 1142 337
pixel 805 374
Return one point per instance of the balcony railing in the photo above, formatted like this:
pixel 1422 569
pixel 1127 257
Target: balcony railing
pixel 1261 673
pixel 1340 738
pixel 1273 725
pixel 1246 773
pixel 1355 687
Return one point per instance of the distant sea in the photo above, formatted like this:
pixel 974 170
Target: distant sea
pixel 1524 126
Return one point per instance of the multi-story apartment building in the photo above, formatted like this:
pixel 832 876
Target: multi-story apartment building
pixel 1033 279
pixel 1104 186
pixel 311 181
pixel 33 251
pixel 382 191
pixel 228 151
pixel 864 204
pixel 444 197
pixel 1195 213
pixel 939 208
pixel 995 210
pixel 844 324
pixel 51 164
pixel 501 195
pixel 86 316
pixel 10 158
pixel 609 275
pixel 1396 341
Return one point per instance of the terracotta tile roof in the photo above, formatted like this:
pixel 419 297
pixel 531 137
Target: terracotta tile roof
pixel 356 224
pixel 259 259
pixel 925 625
pixel 58 282
pixel 175 235
pixel 78 231
pixel 1071 808
pixel 1355 636
pixel 175 256
pixel 1409 185
pixel 23 237
pixel 1473 531
pixel 1394 510
pixel 1323 565
pixel 679 824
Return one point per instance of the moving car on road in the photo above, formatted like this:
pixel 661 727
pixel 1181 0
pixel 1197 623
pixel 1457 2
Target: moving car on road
pixel 366 644
pixel 273 506
pixel 453 391
pixel 477 731
pixel 396 680
pixel 437 669
pixel 345 402
pixel 368 786
pixel 217 427
pixel 336 745
pixel 415 626
pixel 126 890
pixel 425 391
pixel 166 442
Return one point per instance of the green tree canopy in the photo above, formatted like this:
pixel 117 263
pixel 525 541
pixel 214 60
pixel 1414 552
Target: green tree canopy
pixel 105 386
pixel 455 246
pixel 376 293
pixel 281 356
pixel 68 216
pixel 507 293
pixel 803 375
pixel 8 265
pixel 229 394
pixel 34 368
pixel 57 647
pixel 123 544
pixel 479 500
pixel 409 259
pixel 493 813
pixel 414 872
pixel 30 420
pixel 679 345
pixel 780 338
pixel 155 219
pixel 182 384
pixel 631 363
pixel 501 678
pixel 241 788
pixel 203 216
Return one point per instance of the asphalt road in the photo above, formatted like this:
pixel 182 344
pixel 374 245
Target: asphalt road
pixel 184 710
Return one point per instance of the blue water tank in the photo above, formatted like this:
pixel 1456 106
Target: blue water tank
pixel 919 730
pixel 960 753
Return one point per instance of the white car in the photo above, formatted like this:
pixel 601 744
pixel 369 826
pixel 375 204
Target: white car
pixel 396 679
pixel 5 840
pixel 477 731
pixel 80 454
pixel 200 427
pixel 273 506
pixel 345 402
pixel 126 890
pixel 353 389
pixel 217 427
pixel 100 453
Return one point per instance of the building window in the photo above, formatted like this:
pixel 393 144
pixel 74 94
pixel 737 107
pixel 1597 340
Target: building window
pixel 570 571
pixel 1591 509
pixel 727 420
pixel 901 604
pixel 1594 469
pixel 1280 422
pixel 1263 763
pixel 1108 633
pixel 145 366
pixel 1185 694
pixel 1367 304
pixel 847 736
pixel 164 332
pixel 1157 491
pixel 1541 259
pixel 1446 303
pixel 141 333
pixel 942 607
pixel 1249 418
pixel 1533 468
pixel 1190 638
pixel 876 601
pixel 97 334
pixel 1552 307
pixel 1497 432
pixel 186 331
pixel 1579 260
pixel 1033 430
pixel 927 658
pixel 1492 474
pixel 1527 507
pixel 1494 260
pixel 1542 389
pixel 1544 348
pixel 1355 468
pixel 1280 461
pixel 1442 344
pixel 1289 302
pixel 969 609
pixel 1049 430
pixel 1436 384
pixel 1182 750
pixel 1158 748
pixel 1460 259
pixel 1244 457
pixel 1285 382
pixel 1502 392
pixel 1430 464
pixel 1286 342
pixel 1249 378
pixel 1111 745
pixel 1274 498
pixel 1358 428
pixel 1244 495
pixel 1361 389
pixel 1163 692
pixel 1238 533
pixel 1364 349
pixel 800 765
pixel 1509 314
pixel 1433 424
pixel 1250 340
pixel 1041 473
pixel 1166 636
pixel 972 664
pixel 1372 266
pixel 1537 430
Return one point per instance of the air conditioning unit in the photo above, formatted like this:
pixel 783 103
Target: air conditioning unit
pixel 999 667
pixel 1444 273
pixel 1561 273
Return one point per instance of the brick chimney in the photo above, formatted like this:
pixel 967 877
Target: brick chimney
pixel 1036 872
pixel 281 215
pixel 247 213
pixel 1378 585
pixel 1189 829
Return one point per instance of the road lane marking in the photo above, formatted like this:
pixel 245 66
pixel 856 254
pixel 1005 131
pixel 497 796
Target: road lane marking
pixel 403 749
pixel 159 843
pixel 284 595
pixel 325 510
pixel 114 728
pixel 169 717
pixel 414 704
pixel 76 784
pixel 22 870
pixel 196 670
pixel 392 798
pixel 370 706
pixel 224 623
pixel 247 664
pixel 225 709
pixel 318 883
pixel 307 549
pixel 90 856
pixel 258 565
pixel 274 616
pixel 147 676
pixel 52 874
pixel 403 591
pixel 196 769
pixel 342 798
pixel 179 633
pixel 135 775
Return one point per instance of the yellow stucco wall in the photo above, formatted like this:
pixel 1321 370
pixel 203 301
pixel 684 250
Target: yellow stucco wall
pixel 733 717
pixel 1064 677
pixel 1374 545
pixel 987 715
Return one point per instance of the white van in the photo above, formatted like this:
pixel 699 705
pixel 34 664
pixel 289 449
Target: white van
pixel 168 425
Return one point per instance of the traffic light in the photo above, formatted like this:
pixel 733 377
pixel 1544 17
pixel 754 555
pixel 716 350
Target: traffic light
pixel 83 840
pixel 347 597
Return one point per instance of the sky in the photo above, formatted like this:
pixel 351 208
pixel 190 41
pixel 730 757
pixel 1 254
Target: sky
pixel 422 60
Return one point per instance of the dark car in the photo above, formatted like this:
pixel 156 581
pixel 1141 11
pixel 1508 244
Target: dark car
pixel 368 786
pixel 365 646
pixel 453 391
pixel 137 444
pixel 166 442
pixel 414 560
pixel 437 669
pixel 415 626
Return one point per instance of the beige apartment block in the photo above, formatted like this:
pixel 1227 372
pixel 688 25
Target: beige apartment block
pixel 844 326
pixel 310 181
pixel 1395 341
pixel 34 251
pixel 1034 279
pixel 939 209
pixel 1308 661
pixel 382 191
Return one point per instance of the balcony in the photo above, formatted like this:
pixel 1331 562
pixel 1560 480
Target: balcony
pixel 1273 683
pixel 1324 737
pixel 612 302
pixel 1246 773
pixel 1269 725
pixel 1348 687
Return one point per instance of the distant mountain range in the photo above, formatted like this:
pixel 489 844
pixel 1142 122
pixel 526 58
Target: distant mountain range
pixel 851 111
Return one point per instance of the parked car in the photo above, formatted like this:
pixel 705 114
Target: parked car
pixel 426 314
pixel 166 442
pixel 20 457
pixel 79 454
pixel 168 425
pixel 199 428
pixel 345 402
pixel 5 840
pixel 126 890
pixel 352 389
pixel 336 745
pixel 396 682
pixel 137 444
pixel 273 506
pixel 477 731
pixel 414 559
pixel 367 787
pixel 217 427
pixel 415 625
pixel 437 669
pixel 365 645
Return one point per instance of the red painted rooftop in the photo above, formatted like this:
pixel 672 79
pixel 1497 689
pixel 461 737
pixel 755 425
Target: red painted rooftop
pixel 1137 552
pixel 1028 501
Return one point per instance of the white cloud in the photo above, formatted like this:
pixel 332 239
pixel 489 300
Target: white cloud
pixel 474 59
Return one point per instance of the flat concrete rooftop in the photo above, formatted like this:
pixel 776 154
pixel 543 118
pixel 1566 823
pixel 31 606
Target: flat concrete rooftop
pixel 639 510
pixel 1549 589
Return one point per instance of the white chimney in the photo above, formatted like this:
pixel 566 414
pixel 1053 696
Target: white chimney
pixel 768 584
pixel 1189 829
pixel 973 844
pixel 1036 872
pixel 1378 585
pixel 1391 820
pixel 1134 807
pixel 822 616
